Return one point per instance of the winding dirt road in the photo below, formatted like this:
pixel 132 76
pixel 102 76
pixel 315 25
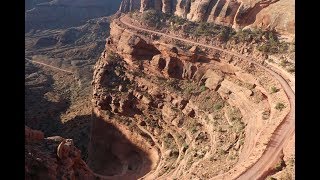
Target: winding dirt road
pixel 281 135
pixel 50 66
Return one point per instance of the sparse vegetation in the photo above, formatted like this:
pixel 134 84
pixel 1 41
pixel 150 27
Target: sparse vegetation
pixel 193 129
pixel 238 126
pixel 291 69
pixel 283 63
pixel 270 60
pixel 223 33
pixel 203 88
pixel 291 161
pixel 153 18
pixel 271 178
pixel 273 46
pixel 279 166
pixel 174 83
pixel 222 152
pixel 280 106
pixel 267 41
pixel 274 89
pixel 233 112
pixel 183 46
pixel 218 106
pixel 241 141
pixel 177 20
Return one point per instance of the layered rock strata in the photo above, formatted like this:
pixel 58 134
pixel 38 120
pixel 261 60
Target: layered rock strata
pixel 161 112
pixel 265 14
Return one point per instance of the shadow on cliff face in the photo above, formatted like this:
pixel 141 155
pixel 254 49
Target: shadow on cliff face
pixel 112 154
pixel 77 129
pixel 248 16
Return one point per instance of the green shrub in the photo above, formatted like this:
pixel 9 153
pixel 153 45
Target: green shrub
pixel 274 89
pixel 283 63
pixel 243 35
pixel 224 34
pixel 222 152
pixel 177 20
pixel 279 166
pixel 203 88
pixel 280 106
pixel 218 106
pixel 273 47
pixel 153 18
pixel 291 69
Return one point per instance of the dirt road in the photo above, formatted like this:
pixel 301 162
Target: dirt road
pixel 50 66
pixel 283 132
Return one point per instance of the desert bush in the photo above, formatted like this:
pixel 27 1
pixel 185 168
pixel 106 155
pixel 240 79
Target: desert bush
pixel 238 126
pixel 218 106
pixel 270 60
pixel 279 166
pixel 280 106
pixel 153 18
pixel 272 44
pixel 283 63
pixel 222 152
pixel 177 20
pixel 291 69
pixel 243 35
pixel 273 48
pixel 274 89
pixel 203 88
pixel 225 34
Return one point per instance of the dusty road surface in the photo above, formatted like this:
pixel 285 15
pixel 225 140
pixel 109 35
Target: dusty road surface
pixel 50 66
pixel 283 132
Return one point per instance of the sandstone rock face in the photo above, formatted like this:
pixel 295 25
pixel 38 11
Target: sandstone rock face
pixel 53 158
pixel 266 14
pixel 129 5
pixel 131 44
pixel 165 112
pixel 212 79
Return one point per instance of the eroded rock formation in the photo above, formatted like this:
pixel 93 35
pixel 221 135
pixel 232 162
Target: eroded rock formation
pixel 266 14
pixel 161 112
pixel 53 158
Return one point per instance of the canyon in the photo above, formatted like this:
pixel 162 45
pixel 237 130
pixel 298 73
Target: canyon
pixel 210 108
pixel 138 101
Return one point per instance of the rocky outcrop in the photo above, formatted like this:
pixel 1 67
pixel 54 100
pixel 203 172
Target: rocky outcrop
pixel 266 14
pixel 53 158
